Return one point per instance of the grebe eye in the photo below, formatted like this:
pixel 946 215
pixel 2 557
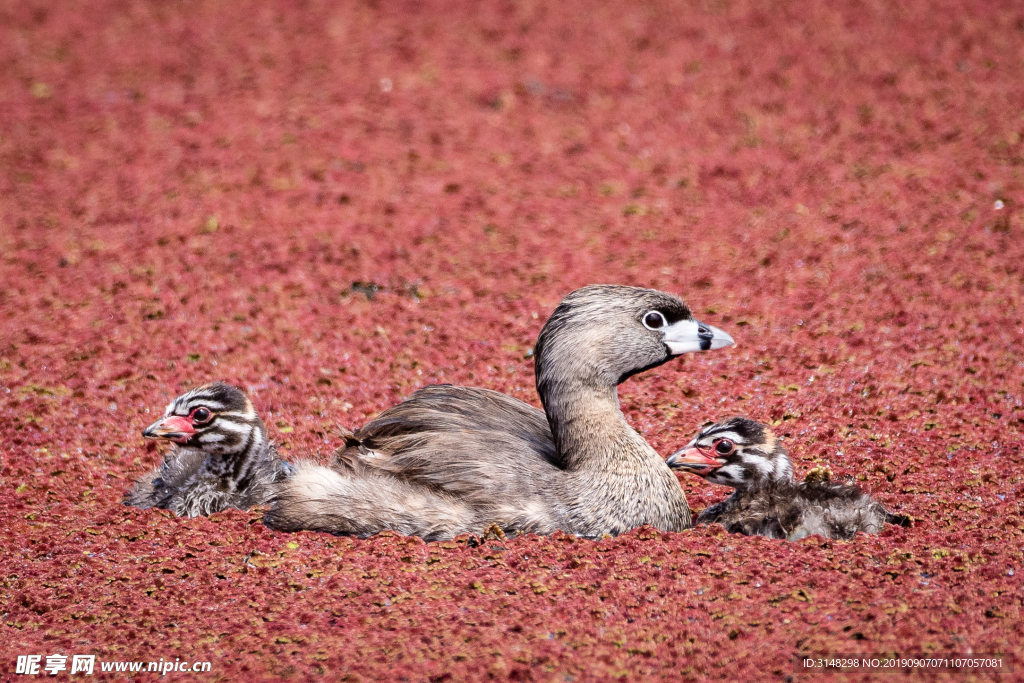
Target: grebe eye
pixel 724 447
pixel 654 320
pixel 201 415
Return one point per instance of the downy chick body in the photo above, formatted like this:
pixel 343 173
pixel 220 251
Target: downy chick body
pixel 746 456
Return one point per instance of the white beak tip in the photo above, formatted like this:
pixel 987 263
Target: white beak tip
pixel 719 338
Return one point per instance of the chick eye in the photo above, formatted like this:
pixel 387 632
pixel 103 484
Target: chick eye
pixel 654 320
pixel 724 447
pixel 201 415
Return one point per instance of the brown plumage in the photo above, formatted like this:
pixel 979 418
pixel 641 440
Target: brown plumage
pixel 221 457
pixel 453 460
pixel 745 455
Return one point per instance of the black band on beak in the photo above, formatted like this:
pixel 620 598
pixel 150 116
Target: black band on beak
pixel 705 336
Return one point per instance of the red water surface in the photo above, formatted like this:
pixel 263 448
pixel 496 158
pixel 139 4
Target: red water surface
pixel 332 204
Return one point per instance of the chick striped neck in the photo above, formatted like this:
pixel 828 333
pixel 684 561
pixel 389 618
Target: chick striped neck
pixel 234 456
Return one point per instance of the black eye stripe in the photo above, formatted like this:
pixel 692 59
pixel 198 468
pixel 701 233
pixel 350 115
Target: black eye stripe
pixel 674 311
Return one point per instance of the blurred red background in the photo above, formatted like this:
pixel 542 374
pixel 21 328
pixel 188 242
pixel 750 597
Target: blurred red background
pixel 335 204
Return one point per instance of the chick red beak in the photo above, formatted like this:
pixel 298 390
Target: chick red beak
pixel 694 460
pixel 174 428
